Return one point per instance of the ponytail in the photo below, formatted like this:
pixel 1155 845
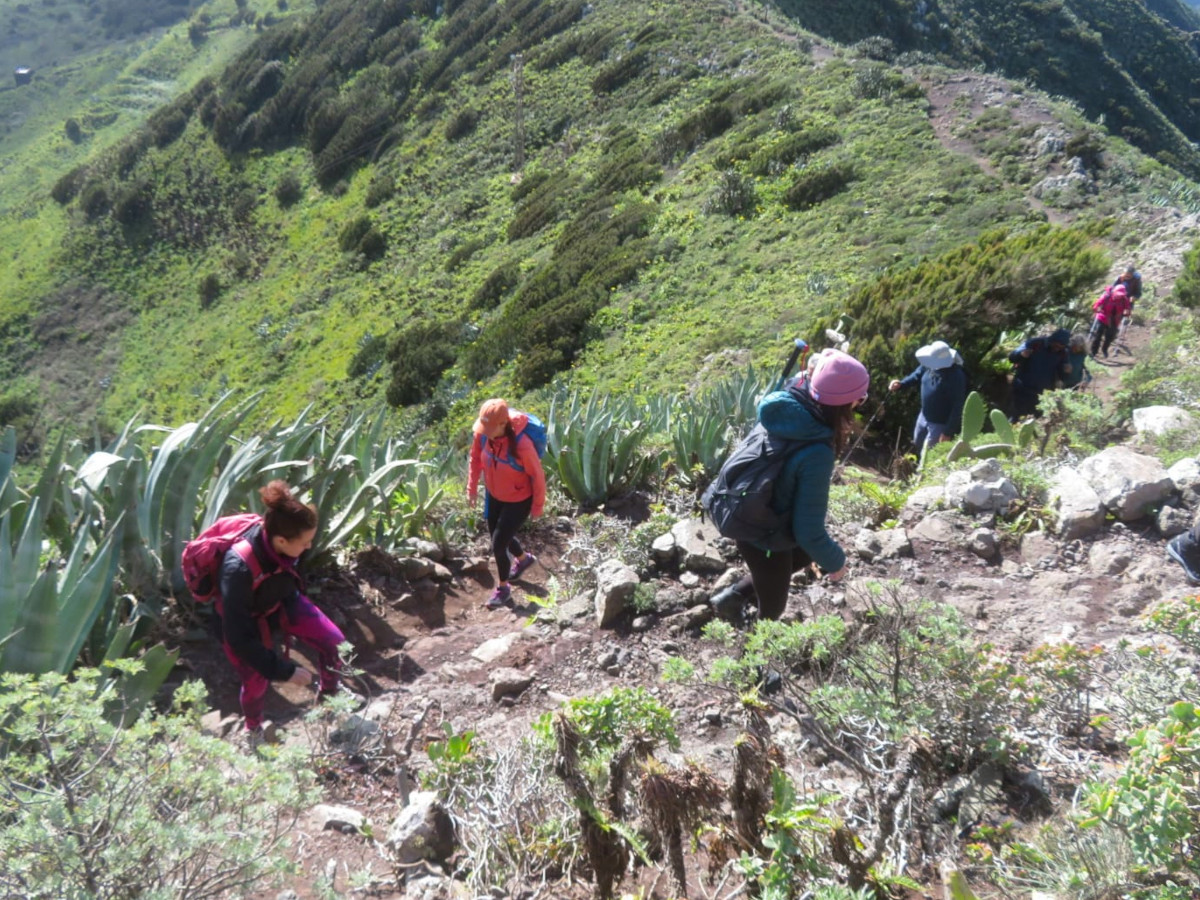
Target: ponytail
pixel 286 517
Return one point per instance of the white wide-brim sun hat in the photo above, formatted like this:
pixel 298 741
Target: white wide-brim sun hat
pixel 938 355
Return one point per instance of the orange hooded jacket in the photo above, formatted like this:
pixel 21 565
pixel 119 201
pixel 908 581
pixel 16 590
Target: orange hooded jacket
pixel 501 478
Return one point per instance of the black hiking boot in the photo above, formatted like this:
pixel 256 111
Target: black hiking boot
pixel 770 682
pixel 728 604
pixel 1184 551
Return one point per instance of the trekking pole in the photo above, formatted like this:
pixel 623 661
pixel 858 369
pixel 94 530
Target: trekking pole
pixel 1122 331
pixel 1093 335
pixel 800 348
pixel 862 434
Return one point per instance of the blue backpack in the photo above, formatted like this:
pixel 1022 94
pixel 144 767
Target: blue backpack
pixel 535 430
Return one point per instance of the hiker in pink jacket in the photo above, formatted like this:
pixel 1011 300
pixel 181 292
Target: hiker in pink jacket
pixel 1110 308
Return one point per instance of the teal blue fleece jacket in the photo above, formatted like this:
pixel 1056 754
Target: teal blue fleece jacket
pixel 804 484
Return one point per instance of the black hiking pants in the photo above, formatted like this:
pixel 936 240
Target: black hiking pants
pixel 1103 336
pixel 770 577
pixel 503 520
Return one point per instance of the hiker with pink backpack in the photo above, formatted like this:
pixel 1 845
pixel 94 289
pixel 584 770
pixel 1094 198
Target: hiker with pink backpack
pixel 506 451
pixel 246 566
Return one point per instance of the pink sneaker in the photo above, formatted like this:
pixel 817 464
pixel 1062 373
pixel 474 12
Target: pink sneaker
pixel 522 564
pixel 501 597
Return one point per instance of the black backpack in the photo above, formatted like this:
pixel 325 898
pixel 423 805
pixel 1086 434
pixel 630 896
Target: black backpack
pixel 739 500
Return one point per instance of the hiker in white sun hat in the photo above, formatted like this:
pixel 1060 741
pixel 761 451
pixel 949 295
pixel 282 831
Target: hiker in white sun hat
pixel 943 384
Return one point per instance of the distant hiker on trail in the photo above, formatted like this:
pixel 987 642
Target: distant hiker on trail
pixel 1131 280
pixel 1037 365
pixel 514 484
pixel 943 383
pixel 262 592
pixel 1075 373
pixel 1110 308
pixel 817 412
pixel 1185 550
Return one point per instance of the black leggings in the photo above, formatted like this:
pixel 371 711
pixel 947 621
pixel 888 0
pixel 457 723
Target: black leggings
pixel 503 520
pixel 1102 336
pixel 770 577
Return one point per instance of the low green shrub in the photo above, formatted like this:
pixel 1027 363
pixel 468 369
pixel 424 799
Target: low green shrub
pixel 353 231
pixel 540 203
pixel 1008 280
pixel 624 166
pixel 877 81
pixel 1187 286
pixel 381 189
pixel 288 190
pixel 362 235
pixel 817 183
pixel 370 356
pixel 94 200
pixel 621 72
pixel 606 720
pixel 735 195
pixel 1089 147
pixel 209 289
pixel 373 245
pixel 462 253
pixel 68 186
pixel 1155 800
pixel 158 808
pixel 499 282
pixel 785 151
pixel 1179 618
pixel 461 124
pixel 419 355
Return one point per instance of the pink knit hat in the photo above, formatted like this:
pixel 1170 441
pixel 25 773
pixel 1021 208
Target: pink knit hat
pixel 838 379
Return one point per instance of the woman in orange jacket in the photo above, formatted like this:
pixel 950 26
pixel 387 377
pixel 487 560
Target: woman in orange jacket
pixel 515 485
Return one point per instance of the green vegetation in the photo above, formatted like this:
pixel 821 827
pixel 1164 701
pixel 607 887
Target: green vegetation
pixel 280 223
pixel 153 808
pixel 1154 800
pixel 1110 56
pixel 605 721
pixel 1008 439
pixel 1010 282
pixel 1187 286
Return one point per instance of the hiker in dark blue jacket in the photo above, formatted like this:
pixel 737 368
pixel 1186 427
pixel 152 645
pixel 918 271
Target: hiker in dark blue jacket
pixel 1037 366
pixel 818 408
pixel 943 384
pixel 1132 279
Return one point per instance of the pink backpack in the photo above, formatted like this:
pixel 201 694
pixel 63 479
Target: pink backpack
pixel 203 555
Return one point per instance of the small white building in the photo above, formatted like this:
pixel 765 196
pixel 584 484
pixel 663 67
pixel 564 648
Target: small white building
pixel 23 74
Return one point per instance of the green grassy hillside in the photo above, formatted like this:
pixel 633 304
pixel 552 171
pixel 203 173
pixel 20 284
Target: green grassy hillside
pixel 393 200
pixel 1131 64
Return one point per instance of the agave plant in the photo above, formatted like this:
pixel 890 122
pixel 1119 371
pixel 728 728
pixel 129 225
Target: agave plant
pixel 699 437
pixel 46 613
pixel 51 607
pixel 8 458
pixel 349 477
pixel 182 466
pixel 596 447
pixel 736 398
